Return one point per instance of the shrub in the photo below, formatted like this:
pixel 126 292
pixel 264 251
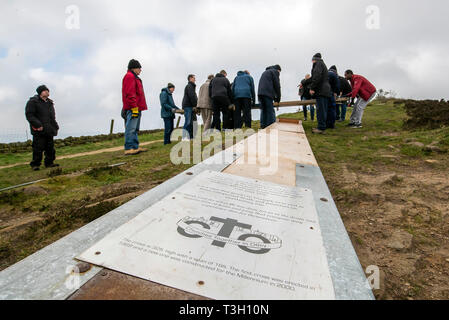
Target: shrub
pixel 430 114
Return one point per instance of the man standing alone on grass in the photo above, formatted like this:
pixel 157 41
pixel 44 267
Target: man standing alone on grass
pixel 134 103
pixel 168 109
pixel 40 113
pixel 189 102
pixel 205 104
pixel 244 98
pixel 365 91
pixel 269 91
pixel 320 89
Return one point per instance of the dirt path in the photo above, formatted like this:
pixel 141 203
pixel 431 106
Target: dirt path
pixel 91 153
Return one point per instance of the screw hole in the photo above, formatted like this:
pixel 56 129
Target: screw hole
pixel 324 200
pixel 189 173
pixel 97 253
pixel 201 283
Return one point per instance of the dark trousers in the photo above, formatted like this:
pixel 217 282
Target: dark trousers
pixel 322 105
pixel 188 123
pixel 331 117
pixel 341 111
pixel 267 113
pixel 169 124
pixel 242 105
pixel 331 113
pixel 221 106
pixel 312 110
pixel 43 144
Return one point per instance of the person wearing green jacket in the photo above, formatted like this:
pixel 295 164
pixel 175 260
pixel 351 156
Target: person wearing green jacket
pixel 168 109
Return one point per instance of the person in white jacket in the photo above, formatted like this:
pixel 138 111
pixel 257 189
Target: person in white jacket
pixel 205 104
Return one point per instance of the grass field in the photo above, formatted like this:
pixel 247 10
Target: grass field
pixel 393 194
pixel 390 185
pixel 84 189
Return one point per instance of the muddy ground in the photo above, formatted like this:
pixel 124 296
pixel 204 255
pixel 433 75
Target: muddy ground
pixel 398 220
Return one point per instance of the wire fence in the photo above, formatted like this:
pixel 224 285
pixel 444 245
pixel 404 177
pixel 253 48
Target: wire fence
pixel 15 135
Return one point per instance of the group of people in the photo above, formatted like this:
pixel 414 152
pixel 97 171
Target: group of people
pixel 216 96
pixel 326 86
pixel 223 105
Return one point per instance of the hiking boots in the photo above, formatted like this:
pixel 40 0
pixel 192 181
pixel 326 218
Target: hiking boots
pixel 35 168
pixel 53 165
pixel 131 152
pixel 317 131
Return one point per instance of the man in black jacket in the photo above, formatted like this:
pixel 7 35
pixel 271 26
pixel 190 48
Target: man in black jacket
pixel 40 113
pixel 220 91
pixel 269 91
pixel 345 89
pixel 189 102
pixel 304 92
pixel 320 89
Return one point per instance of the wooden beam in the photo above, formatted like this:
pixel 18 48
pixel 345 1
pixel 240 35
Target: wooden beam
pixel 286 104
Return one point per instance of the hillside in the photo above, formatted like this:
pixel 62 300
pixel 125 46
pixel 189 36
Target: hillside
pixel 390 185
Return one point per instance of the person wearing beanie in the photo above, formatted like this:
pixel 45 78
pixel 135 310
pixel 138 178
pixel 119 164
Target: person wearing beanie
pixel 134 103
pixel 332 112
pixel 40 113
pixel 320 89
pixel 205 104
pixel 168 110
pixel 220 91
pixel 269 92
pixel 362 89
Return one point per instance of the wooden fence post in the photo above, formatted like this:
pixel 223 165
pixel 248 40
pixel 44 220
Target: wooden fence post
pixel 112 127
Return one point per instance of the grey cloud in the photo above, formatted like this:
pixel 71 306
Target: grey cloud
pixel 408 54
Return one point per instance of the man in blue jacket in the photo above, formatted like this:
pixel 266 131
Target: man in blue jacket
pixel 168 109
pixel 244 98
pixel 269 91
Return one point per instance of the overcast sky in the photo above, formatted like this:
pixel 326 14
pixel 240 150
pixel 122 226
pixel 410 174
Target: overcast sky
pixel 406 51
